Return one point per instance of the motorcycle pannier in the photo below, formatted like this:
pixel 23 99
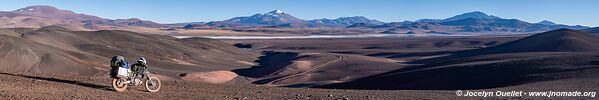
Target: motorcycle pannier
pixel 122 72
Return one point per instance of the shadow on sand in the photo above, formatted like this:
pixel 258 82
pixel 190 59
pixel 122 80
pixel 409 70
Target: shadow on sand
pixel 267 63
pixel 84 84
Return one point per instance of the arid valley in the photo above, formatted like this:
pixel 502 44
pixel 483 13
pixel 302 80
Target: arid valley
pixel 48 52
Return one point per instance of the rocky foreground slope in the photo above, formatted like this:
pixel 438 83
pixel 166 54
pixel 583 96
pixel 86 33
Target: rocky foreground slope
pixel 53 86
pixel 58 86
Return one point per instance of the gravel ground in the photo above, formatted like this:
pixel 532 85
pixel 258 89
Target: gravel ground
pixel 51 86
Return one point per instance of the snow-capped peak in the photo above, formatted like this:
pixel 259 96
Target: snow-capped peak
pixel 275 13
pixel 278 11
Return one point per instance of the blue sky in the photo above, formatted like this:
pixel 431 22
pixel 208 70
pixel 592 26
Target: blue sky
pixel 572 12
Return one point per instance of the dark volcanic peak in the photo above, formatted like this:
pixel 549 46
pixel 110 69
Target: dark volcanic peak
pixel 560 40
pixel 475 14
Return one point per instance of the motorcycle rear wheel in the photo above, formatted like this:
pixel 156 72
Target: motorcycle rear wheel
pixel 152 84
pixel 119 87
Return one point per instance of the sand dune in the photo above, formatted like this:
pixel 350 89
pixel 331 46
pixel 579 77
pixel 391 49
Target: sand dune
pixel 220 76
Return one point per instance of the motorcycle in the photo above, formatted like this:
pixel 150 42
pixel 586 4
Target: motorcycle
pixel 126 77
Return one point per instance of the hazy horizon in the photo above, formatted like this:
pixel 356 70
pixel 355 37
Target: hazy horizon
pixel 579 12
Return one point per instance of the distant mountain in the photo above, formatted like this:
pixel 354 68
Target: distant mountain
pixel 345 21
pixel 186 23
pixel 136 22
pixel 560 40
pixel 487 25
pixel 385 25
pixel 545 22
pixel 278 18
pixel 198 26
pixel 422 27
pixel 52 12
pixel 429 20
pixel 275 17
pixel 592 30
pixel 474 15
pixel 42 16
pixel 426 27
pixel 360 25
pixel 478 22
pixel 503 25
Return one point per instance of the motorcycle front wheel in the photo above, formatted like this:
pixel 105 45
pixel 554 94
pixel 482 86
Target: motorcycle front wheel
pixel 152 84
pixel 119 85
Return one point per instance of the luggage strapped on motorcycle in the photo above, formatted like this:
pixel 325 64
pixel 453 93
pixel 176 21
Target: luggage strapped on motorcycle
pixel 118 67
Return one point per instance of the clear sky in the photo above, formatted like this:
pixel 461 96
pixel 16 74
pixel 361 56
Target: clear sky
pixel 572 12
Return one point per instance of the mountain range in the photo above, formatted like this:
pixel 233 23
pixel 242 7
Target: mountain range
pixel 468 22
pixel 42 16
pixel 472 22
pixel 278 18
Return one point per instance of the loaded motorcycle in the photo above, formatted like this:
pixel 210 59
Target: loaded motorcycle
pixel 123 76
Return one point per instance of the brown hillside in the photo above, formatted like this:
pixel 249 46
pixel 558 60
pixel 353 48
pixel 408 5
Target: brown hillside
pixel 59 50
